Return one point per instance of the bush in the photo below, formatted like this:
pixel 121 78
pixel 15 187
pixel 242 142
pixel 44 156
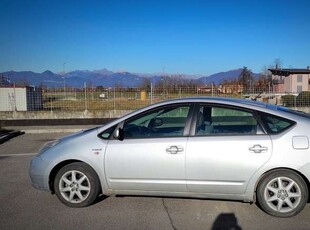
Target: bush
pixel 303 98
pixel 288 100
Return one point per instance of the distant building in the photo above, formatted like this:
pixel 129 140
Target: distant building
pixel 230 88
pixel 291 80
pixel 20 98
pixel 207 89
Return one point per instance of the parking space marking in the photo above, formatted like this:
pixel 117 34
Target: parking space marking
pixel 18 154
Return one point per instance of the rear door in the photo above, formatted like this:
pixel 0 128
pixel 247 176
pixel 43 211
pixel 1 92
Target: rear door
pixel 226 148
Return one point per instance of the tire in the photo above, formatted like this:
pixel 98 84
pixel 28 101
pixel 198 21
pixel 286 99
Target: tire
pixel 77 185
pixel 282 193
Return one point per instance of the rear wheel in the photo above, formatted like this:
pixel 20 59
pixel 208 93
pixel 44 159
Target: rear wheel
pixel 77 185
pixel 282 193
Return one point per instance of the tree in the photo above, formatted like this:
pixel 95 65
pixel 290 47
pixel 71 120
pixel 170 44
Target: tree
pixel 265 79
pixel 99 88
pixel 246 78
pixel 146 84
pixel 278 63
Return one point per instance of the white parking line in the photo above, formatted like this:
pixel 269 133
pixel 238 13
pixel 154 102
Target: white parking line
pixel 18 154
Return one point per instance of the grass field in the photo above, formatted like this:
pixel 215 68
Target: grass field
pixel 119 100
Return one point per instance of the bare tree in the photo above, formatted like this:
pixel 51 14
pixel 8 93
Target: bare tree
pixel 146 84
pixel 265 78
pixel 277 63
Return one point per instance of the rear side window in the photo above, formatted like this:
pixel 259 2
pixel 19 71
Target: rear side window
pixel 275 124
pixel 216 120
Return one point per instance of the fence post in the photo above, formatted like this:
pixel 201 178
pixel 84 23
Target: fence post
pixel 51 100
pixel 114 100
pixel 85 96
pixel 151 93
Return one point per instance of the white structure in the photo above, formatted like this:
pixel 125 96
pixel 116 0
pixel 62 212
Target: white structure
pixel 20 99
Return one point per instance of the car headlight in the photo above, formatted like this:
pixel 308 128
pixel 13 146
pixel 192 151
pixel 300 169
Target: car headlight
pixel 48 146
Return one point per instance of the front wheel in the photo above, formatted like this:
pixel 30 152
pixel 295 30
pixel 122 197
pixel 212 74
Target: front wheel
pixel 77 185
pixel 282 193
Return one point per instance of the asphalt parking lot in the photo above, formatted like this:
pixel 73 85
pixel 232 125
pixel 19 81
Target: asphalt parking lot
pixel 23 207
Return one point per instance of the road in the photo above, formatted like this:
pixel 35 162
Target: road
pixel 23 207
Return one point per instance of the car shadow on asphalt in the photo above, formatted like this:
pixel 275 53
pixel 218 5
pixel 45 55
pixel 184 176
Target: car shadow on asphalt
pixel 3 157
pixel 100 198
pixel 226 221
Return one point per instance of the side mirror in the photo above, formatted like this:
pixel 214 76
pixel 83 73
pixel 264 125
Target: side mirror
pixel 119 134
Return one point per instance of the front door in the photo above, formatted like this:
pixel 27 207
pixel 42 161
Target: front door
pixel 152 155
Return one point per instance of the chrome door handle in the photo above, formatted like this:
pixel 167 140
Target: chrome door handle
pixel 174 149
pixel 258 149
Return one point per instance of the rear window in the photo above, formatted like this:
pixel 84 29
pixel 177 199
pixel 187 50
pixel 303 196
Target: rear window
pixel 275 124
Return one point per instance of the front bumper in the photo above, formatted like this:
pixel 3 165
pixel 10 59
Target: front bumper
pixel 38 175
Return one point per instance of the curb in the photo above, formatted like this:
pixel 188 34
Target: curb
pixel 51 129
pixel 36 131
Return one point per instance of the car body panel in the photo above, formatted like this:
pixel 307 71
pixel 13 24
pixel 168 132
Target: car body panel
pixel 224 168
pixel 146 165
pixel 90 150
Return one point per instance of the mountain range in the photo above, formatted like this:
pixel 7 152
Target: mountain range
pixel 106 78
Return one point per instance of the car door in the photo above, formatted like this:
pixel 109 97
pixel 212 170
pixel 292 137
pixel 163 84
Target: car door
pixel 151 156
pixel 226 148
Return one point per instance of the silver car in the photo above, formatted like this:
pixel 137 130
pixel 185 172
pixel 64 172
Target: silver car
pixel 216 148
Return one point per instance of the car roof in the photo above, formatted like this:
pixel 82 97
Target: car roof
pixel 216 100
pixel 222 100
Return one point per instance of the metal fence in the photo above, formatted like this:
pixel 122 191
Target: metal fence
pixel 134 98
pixel 107 99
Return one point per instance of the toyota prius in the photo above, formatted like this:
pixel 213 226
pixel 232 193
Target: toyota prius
pixel 208 148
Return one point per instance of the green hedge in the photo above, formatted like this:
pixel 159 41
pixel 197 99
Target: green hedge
pixel 302 100
pixel 288 100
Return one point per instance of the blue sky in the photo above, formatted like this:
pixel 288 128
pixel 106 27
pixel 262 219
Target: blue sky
pixel 191 37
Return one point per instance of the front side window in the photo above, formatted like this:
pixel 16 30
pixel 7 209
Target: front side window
pixel 107 133
pixel 214 120
pixel 166 121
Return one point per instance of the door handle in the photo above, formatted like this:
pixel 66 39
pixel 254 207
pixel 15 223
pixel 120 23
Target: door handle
pixel 174 149
pixel 258 148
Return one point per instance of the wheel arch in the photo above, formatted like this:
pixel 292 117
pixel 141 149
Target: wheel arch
pixel 278 169
pixel 60 165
